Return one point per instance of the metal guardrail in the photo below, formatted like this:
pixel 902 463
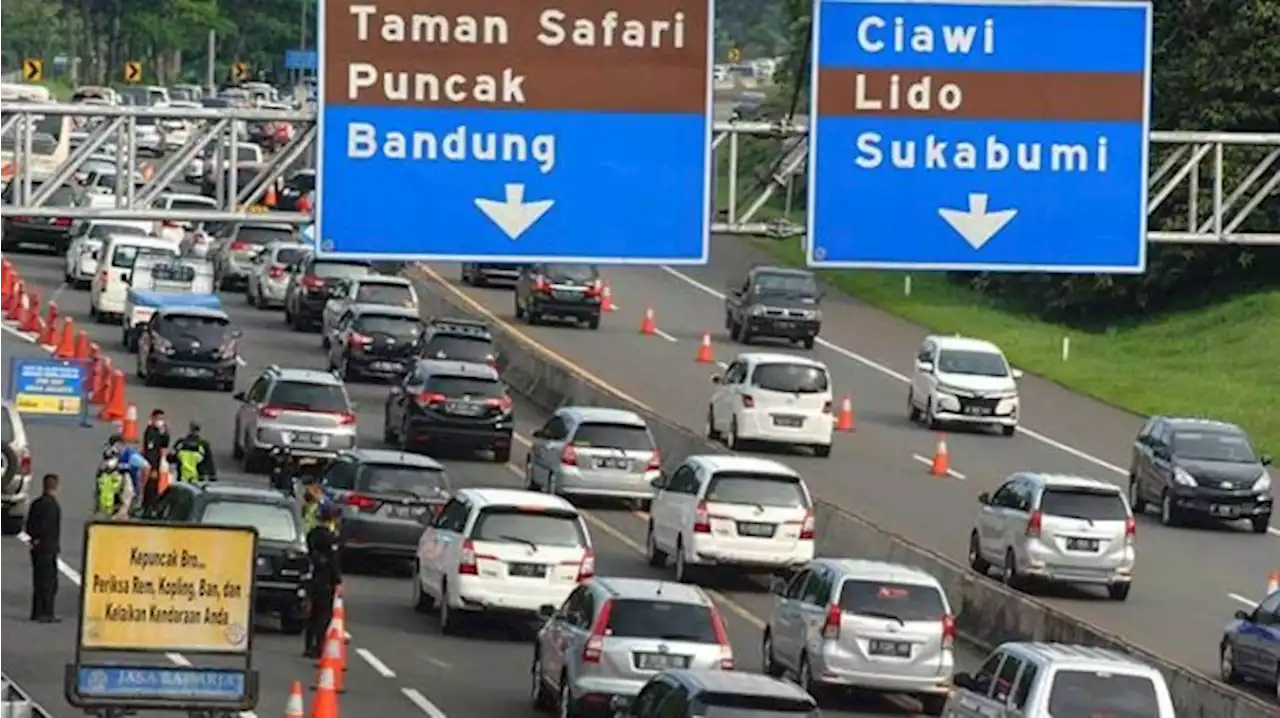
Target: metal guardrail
pixel 16 703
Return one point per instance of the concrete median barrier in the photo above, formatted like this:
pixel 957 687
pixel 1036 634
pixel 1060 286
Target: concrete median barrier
pixel 988 612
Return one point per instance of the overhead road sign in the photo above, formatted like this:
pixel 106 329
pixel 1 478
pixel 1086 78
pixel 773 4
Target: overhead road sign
pixel 49 387
pixel 988 136
pixel 133 71
pixel 32 69
pixel 300 59
pixel 167 587
pixel 486 130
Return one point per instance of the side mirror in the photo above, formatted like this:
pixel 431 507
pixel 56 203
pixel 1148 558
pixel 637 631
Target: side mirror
pixel 238 396
pixel 716 378
pixel 1162 453
pixel 659 482
pixel 1016 373
pixel 924 366
pixel 546 611
pixel 539 434
pixel 984 498
pixel 962 680
pixel 1265 459
pixel 1243 616
pixel 777 585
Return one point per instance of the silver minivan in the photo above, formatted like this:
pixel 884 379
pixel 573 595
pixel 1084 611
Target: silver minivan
pixel 849 623
pixel 1055 528
pixel 613 634
pixel 305 410
pixel 596 452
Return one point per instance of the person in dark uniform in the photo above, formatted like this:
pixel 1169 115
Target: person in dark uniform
pixel 44 526
pixel 156 437
pixel 326 574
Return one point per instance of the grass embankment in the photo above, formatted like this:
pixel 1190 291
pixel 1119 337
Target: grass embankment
pixel 1221 361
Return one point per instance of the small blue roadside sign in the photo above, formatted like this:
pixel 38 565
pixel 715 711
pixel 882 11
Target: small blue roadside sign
pixel 486 130
pixel 49 387
pixel 997 135
pixel 300 60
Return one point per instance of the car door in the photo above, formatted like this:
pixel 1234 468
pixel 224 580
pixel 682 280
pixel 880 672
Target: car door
pixel 246 419
pixel 1258 641
pixel 974 700
pixel 785 624
pixel 727 395
pixel 815 597
pixel 1002 691
pixel 544 455
pixel 572 632
pixel 554 639
pixel 1014 515
pixel 668 504
pixel 412 384
pixel 1141 458
pixel 922 374
pixel 437 554
pixel 991 518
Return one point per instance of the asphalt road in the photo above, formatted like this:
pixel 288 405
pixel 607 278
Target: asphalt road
pixel 1188 581
pixel 400 665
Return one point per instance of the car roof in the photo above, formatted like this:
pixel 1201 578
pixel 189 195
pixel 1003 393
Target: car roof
pixel 307 376
pixel 779 358
pixel 733 462
pixel 774 269
pixel 601 415
pixel 867 570
pixel 383 279
pixel 1066 655
pixel 263 225
pixel 207 312
pixel 242 493
pixel 1070 481
pixel 739 683
pixel 453 367
pixel 142 240
pixel 482 497
pixel 644 589
pixel 1190 423
pixel 385 310
pixel 959 342
pixel 391 456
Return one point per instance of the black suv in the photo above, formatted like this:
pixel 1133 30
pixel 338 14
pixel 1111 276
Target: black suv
pixel 282 564
pixel 686 693
pixel 482 274
pixel 190 344
pixel 374 340
pixel 1197 468
pixel 453 403
pixel 774 302
pixel 459 340
pixel 311 281
pixel 564 291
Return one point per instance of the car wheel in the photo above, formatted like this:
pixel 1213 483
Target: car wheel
pixel 1119 591
pixel 450 623
pixel 913 414
pixel 519 310
pixel 502 455
pixel 930 420
pixel 1009 430
pixel 1136 502
pixel 808 342
pixel 656 556
pixel 568 706
pixel 1227 664
pixel 421 599
pixel 529 483
pixel 684 572
pixel 734 443
pixel 771 667
pixel 1261 523
pixel 542 702
pixel 1169 514
pixel 593 322
pixel 932 705
pixel 822 451
pixel 712 434
pixel 1009 572
pixel 976 561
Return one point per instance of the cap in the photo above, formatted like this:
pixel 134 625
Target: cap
pixel 195 426
pixel 116 438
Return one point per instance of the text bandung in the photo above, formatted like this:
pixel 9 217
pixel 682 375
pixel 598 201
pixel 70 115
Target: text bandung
pixel 460 145
pixel 936 154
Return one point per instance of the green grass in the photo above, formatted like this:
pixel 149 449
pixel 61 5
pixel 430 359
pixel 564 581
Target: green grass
pixel 1221 361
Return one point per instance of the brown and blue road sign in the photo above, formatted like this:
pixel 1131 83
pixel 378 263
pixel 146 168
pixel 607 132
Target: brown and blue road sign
pixel 983 136
pixel 502 131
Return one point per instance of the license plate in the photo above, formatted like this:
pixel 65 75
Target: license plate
pixel 977 411
pixel 570 296
pixel 612 463
pixel 192 372
pixel 1082 544
pixel 794 422
pixel 302 437
pixel 1220 510
pixel 528 570
pixel 748 528
pixel 660 661
pixel 895 649
pixel 403 512
pixel 386 366
pixel 465 408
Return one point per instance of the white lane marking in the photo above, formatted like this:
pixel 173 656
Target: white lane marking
pixel 74 577
pixel 665 335
pixel 929 462
pixel 1241 599
pixel 375 663
pixel 424 705
pixel 28 338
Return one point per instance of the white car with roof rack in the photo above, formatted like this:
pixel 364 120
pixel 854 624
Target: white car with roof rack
pixel 963 381
pixel 773 398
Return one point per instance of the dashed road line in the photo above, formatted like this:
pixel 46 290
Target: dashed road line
pixel 375 663
pixel 415 697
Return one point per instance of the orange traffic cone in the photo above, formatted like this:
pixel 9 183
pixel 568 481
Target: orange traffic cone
pixel 13 302
pixel 113 409
pixel 331 659
pixel 844 420
pixel 704 350
pixel 129 429
pixel 82 345
pixel 51 315
pixel 67 341
pixel 941 464
pixel 101 381
pixel 648 325
pixel 162 476
pixel 48 336
pixel 1273 582
pixel 32 312
pixel 606 300
pixel 326 703
pixel 340 616
pixel 294 708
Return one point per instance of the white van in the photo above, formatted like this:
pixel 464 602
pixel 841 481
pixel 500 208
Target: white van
pixel 110 286
pixel 773 398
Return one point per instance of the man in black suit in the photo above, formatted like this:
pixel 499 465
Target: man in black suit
pixel 44 527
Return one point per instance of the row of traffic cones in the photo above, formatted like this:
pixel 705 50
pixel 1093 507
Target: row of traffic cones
pixel 329 678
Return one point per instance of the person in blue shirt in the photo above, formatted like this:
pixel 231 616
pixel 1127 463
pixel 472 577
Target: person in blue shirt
pixel 131 461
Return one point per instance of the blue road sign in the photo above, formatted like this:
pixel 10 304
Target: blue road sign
pixel 487 130
pixel 989 136
pixel 161 687
pixel 49 387
pixel 300 59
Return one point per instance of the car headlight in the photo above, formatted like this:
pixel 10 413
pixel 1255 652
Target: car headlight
pixel 1182 478
pixel 1263 483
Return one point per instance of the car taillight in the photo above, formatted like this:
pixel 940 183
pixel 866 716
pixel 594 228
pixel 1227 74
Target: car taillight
pixel 501 403
pixel 491 360
pixel 239 246
pixel 748 401
pixel 831 628
pixel 467 562
pixel 701 519
pixel 360 501
pixel 24 463
pixel 312 282
pixel 595 642
pixel 595 288
pixel 806 528
pixel 569 455
pixel 722 637
pixel 948 631
pixel 23 218
pixel 275 271
pixel 62 221
pixel 826 408
pixel 429 398
pixel 541 284
pixel 269 412
pixel 1034 522
pixel 655 462
pixel 347 418
pixel 358 341
pixel 587 568
pixel 1130 529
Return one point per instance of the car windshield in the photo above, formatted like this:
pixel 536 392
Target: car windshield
pixel 308 397
pixel 102 231
pixel 535 525
pixel 790 284
pixel 571 272
pixel 791 378
pixel 192 204
pixel 977 363
pixel 1213 446
pixel 1084 504
pixel 419 481
pixel 402 327
pixel 274 522
pixel 903 601
pixel 661 620
pixel 448 346
pixel 1088 694
pixel 628 437
pixel 459 386
pixel 737 487
pixel 262 235
pixel 127 254
pixel 398 295
pixel 340 270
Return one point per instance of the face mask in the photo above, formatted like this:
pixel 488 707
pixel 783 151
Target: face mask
pixel 159 424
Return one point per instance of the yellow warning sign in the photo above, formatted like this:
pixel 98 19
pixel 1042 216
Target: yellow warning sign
pixel 133 71
pixel 735 54
pixel 239 71
pixel 32 69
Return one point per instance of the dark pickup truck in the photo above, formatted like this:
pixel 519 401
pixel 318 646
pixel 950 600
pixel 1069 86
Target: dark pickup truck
pixel 774 302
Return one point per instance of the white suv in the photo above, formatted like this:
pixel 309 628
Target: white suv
pixel 963 381
pixel 773 398
pixel 17 471
pixel 1063 529
pixel 500 552
pixel 752 514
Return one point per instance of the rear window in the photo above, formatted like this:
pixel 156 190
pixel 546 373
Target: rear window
pixel 417 481
pixel 102 231
pixel 791 378
pixel 731 487
pixel 1083 504
pixel 308 397
pixel 339 270
pixel 395 326
pixel 731 705
pixel 273 521
pixel 126 255
pixel 289 255
pixel 887 599
pixel 613 436
pixel 248 154
pixel 571 272
pixel 447 346
pixel 534 525
pixel 661 620
pixel 1091 694
pixel 455 386
pixel 205 329
pixel 394 294
pixel 192 204
pixel 263 235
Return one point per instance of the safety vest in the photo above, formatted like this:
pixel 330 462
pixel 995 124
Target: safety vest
pixel 189 460
pixel 310 516
pixel 108 491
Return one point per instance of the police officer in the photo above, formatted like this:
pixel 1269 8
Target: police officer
pixel 326 574
pixel 314 502
pixel 194 456
pixel 44 526
pixel 155 437
pixel 113 489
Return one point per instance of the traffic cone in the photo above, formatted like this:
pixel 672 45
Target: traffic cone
pixel 326 703
pixel 340 614
pixel 606 300
pixel 163 476
pixel 67 343
pixel 1273 582
pixel 648 325
pixel 32 313
pixel 129 429
pixel 82 345
pixel 113 409
pixel 101 381
pixel 704 350
pixel 331 660
pixel 844 420
pixel 941 464
pixel 339 626
pixel 13 309
pixel 51 315
pixel 48 336
pixel 294 708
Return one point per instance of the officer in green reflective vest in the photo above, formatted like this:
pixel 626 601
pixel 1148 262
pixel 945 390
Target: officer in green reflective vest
pixel 113 490
pixel 313 503
pixel 194 456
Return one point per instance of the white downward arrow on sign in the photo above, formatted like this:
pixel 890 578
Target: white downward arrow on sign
pixel 976 225
pixel 514 216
